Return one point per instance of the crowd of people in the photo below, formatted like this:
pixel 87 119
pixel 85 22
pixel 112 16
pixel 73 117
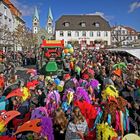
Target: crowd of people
pixel 97 99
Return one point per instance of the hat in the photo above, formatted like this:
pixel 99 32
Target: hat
pixel 85 76
pixel 117 72
pixel 67 76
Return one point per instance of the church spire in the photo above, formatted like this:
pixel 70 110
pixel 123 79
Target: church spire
pixel 35 21
pixel 49 25
pixel 50 13
pixel 36 15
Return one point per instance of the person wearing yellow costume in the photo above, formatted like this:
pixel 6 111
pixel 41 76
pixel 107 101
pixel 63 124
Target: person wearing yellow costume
pixel 26 93
pixel 109 91
pixel 104 132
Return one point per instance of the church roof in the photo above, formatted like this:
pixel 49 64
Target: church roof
pixel 50 14
pixel 36 15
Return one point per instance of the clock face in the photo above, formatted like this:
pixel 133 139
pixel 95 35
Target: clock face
pixel 49 29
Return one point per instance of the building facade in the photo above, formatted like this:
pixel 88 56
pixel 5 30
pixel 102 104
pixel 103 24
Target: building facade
pixel 6 17
pixel 86 30
pixel 123 36
pixel 17 15
pixel 10 19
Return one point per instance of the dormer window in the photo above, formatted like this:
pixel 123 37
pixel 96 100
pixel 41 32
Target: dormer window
pixel 83 24
pixel 66 24
pixel 96 24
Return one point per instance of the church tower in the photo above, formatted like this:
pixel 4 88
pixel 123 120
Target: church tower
pixel 49 26
pixel 35 21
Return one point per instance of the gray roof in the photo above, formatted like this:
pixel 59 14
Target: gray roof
pixel 75 20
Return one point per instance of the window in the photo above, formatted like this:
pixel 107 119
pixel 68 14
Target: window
pixel 96 24
pixel 61 33
pixel 84 33
pixel 105 33
pixel 50 24
pixel 66 24
pixel 91 33
pixel 98 34
pixel 5 7
pixel 76 33
pixel 0 16
pixel 69 33
pixel 5 17
pixel 83 24
pixel 35 24
pixel 130 38
pixel 9 20
pixel 123 32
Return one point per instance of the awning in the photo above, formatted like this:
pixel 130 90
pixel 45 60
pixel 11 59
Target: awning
pixel 133 51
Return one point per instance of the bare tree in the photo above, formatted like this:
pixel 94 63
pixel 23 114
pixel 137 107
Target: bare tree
pixel 118 36
pixel 23 37
pixel 5 36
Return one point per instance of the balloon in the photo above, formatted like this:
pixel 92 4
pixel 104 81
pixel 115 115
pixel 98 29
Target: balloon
pixel 69 46
pixel 57 81
pixel 66 51
pixel 71 50
pixel 60 87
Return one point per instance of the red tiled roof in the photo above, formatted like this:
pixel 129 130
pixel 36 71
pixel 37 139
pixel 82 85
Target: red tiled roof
pixel 129 29
pixel 13 9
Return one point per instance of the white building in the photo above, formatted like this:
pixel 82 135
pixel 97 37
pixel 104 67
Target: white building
pixel 6 17
pixel 10 19
pixel 123 36
pixel 86 30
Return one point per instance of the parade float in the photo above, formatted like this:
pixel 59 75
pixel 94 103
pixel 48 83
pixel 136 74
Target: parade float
pixel 51 57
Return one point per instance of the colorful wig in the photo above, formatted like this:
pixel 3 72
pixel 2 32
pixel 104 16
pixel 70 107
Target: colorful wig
pixel 81 94
pixel 39 112
pixel 109 91
pixel 52 101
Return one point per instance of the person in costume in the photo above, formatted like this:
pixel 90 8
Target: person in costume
pixel 60 123
pixel 77 127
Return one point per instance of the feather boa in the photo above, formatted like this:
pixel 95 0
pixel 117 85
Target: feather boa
pixel 47 128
